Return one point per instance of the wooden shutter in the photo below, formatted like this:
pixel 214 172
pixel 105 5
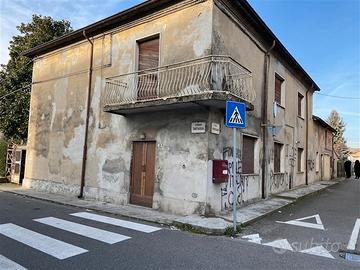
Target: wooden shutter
pixel 278 83
pixel 248 155
pixel 277 157
pixel 148 59
pixel 148 54
pixel 299 159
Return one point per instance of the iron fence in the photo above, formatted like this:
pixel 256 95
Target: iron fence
pixel 207 74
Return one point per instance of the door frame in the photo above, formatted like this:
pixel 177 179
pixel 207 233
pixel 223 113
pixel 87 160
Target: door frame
pixel 131 165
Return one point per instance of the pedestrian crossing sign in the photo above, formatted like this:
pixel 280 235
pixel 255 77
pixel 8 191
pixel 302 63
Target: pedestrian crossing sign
pixel 235 114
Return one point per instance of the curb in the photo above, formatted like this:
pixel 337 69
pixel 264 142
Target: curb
pixel 90 208
pixel 308 194
pixel 183 225
pixel 198 229
pixel 292 201
pixel 246 223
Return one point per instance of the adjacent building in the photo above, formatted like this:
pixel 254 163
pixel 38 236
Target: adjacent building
pixel 130 109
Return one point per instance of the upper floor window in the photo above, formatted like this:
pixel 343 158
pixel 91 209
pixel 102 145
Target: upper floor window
pixel 148 58
pixel 248 159
pixel 300 105
pixel 278 87
pixel 148 53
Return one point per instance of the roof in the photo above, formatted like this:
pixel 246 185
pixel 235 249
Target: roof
pixel 152 6
pixel 323 123
pixel 256 22
pixel 141 10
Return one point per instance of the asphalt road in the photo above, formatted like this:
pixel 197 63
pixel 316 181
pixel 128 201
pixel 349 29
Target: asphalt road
pixel 329 222
pixel 162 249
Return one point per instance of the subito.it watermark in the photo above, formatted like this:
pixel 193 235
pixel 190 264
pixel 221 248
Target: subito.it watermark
pixel 311 243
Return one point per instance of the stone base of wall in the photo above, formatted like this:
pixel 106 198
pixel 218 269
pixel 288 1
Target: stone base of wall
pixel 105 195
pixel 51 187
pixel 169 205
pixel 178 206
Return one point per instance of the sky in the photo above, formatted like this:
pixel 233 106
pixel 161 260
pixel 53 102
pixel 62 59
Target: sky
pixel 322 35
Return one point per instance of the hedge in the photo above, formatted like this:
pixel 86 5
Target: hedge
pixel 3 149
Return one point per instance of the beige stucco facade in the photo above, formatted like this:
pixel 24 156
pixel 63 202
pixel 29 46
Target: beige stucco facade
pixel 188 31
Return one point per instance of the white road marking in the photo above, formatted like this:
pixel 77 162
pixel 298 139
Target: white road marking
pixel 48 245
pixel 298 222
pixel 318 251
pixel 87 231
pixel 282 243
pixel 6 264
pixel 254 238
pixel 354 235
pixel 117 222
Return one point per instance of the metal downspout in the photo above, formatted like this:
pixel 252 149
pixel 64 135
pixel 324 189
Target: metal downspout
pixel 264 118
pixel 307 136
pixel 84 158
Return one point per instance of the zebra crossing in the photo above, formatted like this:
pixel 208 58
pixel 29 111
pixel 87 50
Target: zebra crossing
pixel 60 249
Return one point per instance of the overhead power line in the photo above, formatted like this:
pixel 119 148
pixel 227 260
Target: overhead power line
pixel 337 96
pixel 17 90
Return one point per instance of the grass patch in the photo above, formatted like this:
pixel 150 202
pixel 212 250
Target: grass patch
pixel 3 149
pixel 230 230
pixel 188 228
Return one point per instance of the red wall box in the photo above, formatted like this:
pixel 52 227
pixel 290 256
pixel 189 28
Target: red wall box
pixel 220 172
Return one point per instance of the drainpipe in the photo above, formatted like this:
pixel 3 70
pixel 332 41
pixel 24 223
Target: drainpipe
pixel 264 117
pixel 84 158
pixel 307 135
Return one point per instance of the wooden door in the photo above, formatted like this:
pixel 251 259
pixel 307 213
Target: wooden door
pixel 143 173
pixel 148 58
pixel 326 168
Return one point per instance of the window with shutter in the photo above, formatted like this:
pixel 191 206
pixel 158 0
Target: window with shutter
pixel 299 159
pixel 277 157
pixel 278 83
pixel 148 58
pixel 248 155
pixel 300 101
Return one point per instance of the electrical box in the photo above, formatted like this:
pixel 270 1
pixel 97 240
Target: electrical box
pixel 219 171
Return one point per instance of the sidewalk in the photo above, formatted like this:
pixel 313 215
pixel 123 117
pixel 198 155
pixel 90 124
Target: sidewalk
pixel 213 225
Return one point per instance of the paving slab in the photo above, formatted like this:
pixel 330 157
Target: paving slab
pixel 303 191
pixel 255 211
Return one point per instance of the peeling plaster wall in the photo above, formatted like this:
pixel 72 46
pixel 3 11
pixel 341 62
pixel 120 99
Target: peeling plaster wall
pixel 57 118
pixel 246 48
pixel 319 171
pixel 228 39
pixel 182 185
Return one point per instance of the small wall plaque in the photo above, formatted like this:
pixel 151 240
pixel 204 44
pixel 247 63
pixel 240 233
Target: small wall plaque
pixel 198 127
pixel 215 128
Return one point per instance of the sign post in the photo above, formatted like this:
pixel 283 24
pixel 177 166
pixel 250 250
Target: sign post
pixel 235 118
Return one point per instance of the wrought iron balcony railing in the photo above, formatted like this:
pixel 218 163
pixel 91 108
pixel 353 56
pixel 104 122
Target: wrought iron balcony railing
pixel 203 75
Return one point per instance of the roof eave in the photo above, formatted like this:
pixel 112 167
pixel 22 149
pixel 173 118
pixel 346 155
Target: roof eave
pixel 323 123
pixel 99 27
pixel 270 36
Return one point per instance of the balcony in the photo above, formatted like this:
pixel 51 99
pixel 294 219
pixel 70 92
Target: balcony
pixel 207 81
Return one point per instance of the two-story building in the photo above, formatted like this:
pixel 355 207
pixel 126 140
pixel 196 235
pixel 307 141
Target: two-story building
pixel 130 109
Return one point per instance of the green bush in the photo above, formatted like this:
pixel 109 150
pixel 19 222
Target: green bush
pixel 3 148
